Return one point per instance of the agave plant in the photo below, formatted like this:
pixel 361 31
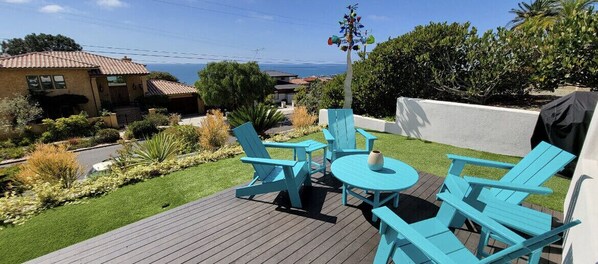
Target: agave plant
pixel 261 116
pixel 159 148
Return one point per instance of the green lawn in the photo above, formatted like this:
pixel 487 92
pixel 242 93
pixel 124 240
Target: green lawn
pixel 66 225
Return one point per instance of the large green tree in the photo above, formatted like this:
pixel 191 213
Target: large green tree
pixel 231 84
pixel 41 42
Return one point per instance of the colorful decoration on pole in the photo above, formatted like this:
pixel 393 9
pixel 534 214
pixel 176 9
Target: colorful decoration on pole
pixel 351 28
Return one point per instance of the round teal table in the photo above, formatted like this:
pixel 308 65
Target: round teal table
pixel 353 171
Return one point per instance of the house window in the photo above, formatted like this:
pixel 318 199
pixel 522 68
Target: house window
pixel 59 82
pixel 116 80
pixel 46 81
pixel 33 83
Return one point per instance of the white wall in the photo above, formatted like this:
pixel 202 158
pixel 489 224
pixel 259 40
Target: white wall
pixel 486 128
pixel 581 243
pixel 493 129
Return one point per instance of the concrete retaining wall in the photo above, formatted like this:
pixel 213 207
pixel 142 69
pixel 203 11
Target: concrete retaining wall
pixel 486 128
pixel 581 242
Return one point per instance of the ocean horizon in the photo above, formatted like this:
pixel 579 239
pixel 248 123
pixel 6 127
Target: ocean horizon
pixel 187 73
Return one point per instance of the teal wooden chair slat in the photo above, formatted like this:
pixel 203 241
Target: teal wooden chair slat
pixel 274 175
pixel 501 199
pixel 340 135
pixel 432 241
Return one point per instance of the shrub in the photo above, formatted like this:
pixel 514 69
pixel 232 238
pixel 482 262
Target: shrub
pixel 142 129
pixel 67 127
pixel 52 164
pixel 261 116
pixel 188 136
pixel 107 135
pixel 157 119
pixel 17 112
pixel 8 182
pixel 301 118
pixel 12 153
pixel 159 148
pixel 174 119
pixel 213 131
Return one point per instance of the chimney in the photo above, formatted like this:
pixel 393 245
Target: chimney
pixel 127 59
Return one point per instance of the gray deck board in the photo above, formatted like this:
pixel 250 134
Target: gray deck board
pixel 224 229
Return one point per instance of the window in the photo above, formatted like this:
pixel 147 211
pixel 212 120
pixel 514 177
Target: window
pixel 33 83
pixel 59 82
pixel 46 81
pixel 116 80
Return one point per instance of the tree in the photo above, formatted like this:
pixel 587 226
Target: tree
pixel 41 42
pixel 539 13
pixel 231 84
pixel 159 75
pixel 569 52
pixel 351 27
pixel 17 112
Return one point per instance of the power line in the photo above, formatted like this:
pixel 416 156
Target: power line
pixel 307 23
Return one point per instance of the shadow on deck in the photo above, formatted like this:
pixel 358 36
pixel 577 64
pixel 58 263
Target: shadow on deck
pixel 222 228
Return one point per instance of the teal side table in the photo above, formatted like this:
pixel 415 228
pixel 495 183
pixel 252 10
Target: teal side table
pixel 314 146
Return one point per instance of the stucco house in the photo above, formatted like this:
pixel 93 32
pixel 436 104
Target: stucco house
pixel 284 89
pixel 106 82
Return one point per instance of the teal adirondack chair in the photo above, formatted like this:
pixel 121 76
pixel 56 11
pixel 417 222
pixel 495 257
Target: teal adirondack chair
pixel 431 240
pixel 500 200
pixel 275 175
pixel 341 135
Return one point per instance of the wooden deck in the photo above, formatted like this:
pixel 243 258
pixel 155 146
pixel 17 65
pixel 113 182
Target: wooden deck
pixel 225 229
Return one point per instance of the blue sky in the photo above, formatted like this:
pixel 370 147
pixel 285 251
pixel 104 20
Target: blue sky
pixel 197 31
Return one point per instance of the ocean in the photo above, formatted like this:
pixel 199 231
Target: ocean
pixel 187 73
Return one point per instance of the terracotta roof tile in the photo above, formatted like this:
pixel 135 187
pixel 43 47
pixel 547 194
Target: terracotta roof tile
pixel 73 59
pixel 162 87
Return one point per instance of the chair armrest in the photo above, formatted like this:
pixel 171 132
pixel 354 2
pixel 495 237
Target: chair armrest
pixel 284 145
pixel 389 219
pixel 365 134
pixel 483 220
pixel 327 135
pixel 473 181
pixel 481 162
pixel 274 162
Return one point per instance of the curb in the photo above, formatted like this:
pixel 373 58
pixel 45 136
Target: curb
pixel 21 160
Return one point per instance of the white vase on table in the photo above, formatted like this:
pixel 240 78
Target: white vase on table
pixel 375 160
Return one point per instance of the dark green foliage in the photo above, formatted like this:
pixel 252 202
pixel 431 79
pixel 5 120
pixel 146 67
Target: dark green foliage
pixel 107 135
pixel 159 75
pixel 230 84
pixel 262 117
pixel 8 182
pixel 154 101
pixel 570 52
pixel 142 129
pixel 67 127
pixel 60 105
pixel 157 119
pixel 12 153
pixel 187 135
pixel 41 42
pixel 321 95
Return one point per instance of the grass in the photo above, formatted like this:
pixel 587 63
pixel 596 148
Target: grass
pixel 66 225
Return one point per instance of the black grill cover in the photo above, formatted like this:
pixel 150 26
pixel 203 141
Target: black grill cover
pixel 564 123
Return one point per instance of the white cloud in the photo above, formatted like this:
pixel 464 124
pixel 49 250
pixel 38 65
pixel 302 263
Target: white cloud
pixel 17 1
pixel 111 3
pixel 377 17
pixel 52 9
